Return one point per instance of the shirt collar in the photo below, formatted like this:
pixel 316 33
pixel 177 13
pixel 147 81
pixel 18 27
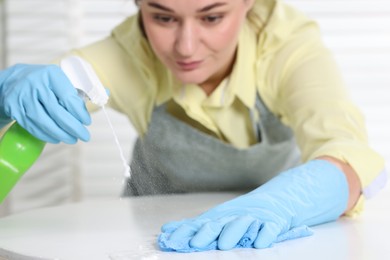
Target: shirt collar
pixel 242 83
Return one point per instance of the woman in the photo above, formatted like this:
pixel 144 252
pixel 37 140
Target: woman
pixel 226 95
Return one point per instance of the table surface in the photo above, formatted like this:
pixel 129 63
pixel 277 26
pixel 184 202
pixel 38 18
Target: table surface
pixel 120 229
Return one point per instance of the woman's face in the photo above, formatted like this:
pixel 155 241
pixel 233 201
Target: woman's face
pixel 195 39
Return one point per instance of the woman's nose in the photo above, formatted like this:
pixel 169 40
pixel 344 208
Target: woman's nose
pixel 187 39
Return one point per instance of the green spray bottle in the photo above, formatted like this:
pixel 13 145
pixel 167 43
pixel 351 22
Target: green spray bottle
pixel 19 149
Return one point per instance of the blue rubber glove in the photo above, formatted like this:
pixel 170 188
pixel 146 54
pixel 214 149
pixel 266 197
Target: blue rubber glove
pixel 281 209
pixel 44 102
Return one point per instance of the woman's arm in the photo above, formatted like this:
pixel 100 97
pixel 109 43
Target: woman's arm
pixel 354 185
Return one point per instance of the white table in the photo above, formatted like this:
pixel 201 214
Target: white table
pixel 127 229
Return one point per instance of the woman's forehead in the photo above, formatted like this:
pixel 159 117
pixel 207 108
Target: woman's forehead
pixel 198 4
pixel 187 2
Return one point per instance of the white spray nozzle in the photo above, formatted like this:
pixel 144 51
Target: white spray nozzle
pixel 84 78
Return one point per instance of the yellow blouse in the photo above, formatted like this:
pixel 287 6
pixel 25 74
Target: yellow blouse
pixel 280 56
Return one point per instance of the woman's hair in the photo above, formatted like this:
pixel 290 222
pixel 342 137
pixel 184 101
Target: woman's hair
pixel 137 2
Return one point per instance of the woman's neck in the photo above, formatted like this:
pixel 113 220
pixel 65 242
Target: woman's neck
pixel 213 82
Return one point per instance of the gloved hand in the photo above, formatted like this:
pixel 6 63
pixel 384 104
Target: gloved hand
pixel 44 102
pixel 281 209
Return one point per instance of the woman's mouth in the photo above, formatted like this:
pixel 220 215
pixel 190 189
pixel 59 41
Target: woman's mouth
pixel 188 65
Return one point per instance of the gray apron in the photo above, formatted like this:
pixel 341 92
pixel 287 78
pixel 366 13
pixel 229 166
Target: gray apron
pixel 174 157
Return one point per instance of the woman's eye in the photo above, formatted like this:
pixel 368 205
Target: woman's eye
pixel 165 19
pixel 212 19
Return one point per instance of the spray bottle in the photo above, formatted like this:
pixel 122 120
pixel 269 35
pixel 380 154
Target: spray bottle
pixel 19 149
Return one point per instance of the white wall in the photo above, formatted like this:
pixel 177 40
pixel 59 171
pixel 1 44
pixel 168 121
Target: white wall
pixel 357 31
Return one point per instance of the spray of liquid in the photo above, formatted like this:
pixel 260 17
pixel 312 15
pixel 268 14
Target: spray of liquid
pixel 127 173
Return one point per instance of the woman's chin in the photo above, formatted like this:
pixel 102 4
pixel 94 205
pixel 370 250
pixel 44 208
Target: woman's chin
pixel 190 78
